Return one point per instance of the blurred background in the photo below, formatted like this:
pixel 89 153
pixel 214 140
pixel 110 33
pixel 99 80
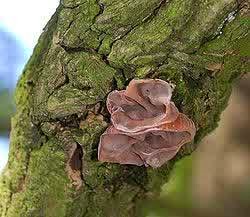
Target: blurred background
pixel 20 27
pixel 216 181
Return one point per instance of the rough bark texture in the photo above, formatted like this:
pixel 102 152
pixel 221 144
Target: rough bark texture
pixel 89 48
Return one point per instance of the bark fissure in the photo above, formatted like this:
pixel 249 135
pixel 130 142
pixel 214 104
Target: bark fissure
pixel 144 20
pixel 101 7
pixel 64 86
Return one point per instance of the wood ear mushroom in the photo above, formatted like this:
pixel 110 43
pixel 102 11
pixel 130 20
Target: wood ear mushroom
pixel 147 128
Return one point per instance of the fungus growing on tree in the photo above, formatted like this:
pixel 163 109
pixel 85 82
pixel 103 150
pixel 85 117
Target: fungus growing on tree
pixel 146 127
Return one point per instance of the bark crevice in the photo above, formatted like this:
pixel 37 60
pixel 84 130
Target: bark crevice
pixel 63 90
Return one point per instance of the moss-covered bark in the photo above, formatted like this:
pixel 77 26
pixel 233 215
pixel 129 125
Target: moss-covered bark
pixel 89 48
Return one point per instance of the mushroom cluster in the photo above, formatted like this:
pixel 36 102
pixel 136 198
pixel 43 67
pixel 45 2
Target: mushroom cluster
pixel 147 128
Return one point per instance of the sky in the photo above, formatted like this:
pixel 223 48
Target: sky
pixel 13 55
pixel 26 18
pixel 3 152
pixel 25 21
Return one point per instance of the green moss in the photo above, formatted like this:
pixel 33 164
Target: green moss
pixel 105 46
pixel 67 101
pixel 90 79
pixel 153 59
pixel 66 75
pixel 74 25
pixel 120 80
pixel 46 185
pixel 91 131
pixel 89 71
pixel 150 35
pixel 5 194
pixel 24 138
pixel 204 24
pixel 244 47
pixel 22 93
pixel 143 71
pixel 109 190
pixel 119 17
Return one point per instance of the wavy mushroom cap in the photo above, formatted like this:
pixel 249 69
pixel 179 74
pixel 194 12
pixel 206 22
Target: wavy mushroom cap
pixel 146 126
pixel 144 104
pixel 116 147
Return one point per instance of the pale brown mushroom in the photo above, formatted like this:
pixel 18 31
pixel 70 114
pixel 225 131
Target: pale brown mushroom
pixel 147 128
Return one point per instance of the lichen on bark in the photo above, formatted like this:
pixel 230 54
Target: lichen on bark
pixel 89 48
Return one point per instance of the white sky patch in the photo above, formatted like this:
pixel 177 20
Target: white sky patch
pixel 26 18
pixel 3 152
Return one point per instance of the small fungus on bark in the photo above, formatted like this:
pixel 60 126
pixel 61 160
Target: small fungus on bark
pixel 147 128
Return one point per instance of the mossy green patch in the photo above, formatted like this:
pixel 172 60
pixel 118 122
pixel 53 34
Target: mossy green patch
pixel 66 75
pixel 151 34
pixel 46 185
pixel 209 17
pixel 105 46
pixel 119 17
pixel 89 71
pixel 90 80
pixel 67 101
pixel 143 71
pixel 74 25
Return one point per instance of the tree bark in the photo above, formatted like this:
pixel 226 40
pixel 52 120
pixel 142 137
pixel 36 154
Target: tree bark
pixel 89 48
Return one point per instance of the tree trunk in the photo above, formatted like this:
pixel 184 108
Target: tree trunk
pixel 89 48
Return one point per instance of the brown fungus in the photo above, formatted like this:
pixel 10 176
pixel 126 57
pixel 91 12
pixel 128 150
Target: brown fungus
pixel 147 128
